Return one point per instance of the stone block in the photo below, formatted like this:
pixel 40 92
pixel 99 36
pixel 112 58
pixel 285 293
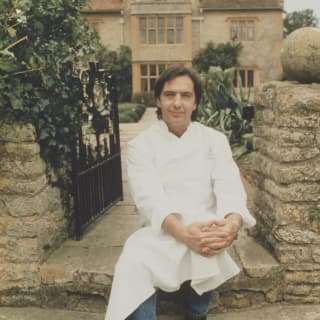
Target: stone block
pixel 17 132
pixel 306 277
pixel 285 154
pixel 20 150
pixel 16 272
pixel 293 255
pixel 284 173
pixel 294 235
pixel 301 120
pixel 299 290
pixel 294 192
pixel 21 169
pixel 23 206
pixel 286 136
pixel 23 187
pixel 25 227
pixel 23 251
pixel 298 99
pixel 294 214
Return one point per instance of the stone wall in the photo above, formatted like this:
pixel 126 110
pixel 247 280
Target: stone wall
pixel 32 219
pixel 287 195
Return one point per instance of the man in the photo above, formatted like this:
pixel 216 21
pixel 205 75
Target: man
pixel 191 202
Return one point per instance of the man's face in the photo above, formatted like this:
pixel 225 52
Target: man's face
pixel 177 102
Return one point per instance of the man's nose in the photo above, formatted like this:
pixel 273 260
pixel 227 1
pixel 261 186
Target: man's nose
pixel 177 100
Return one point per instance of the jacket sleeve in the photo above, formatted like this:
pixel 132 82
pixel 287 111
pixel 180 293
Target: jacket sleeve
pixel 146 186
pixel 227 185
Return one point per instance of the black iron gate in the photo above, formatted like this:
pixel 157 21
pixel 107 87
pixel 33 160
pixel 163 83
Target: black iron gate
pixel 97 158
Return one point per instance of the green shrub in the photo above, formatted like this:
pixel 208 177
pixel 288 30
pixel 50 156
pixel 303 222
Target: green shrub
pixel 146 98
pixel 224 55
pixel 130 112
pixel 222 108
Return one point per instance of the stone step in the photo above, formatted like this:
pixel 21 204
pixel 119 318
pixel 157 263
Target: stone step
pixel 78 276
pixel 274 312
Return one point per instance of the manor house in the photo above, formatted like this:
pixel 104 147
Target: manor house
pixel 163 32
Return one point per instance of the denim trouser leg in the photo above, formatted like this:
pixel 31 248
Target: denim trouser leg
pixel 146 310
pixel 196 307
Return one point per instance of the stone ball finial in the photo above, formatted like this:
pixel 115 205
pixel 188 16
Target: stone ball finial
pixel 300 55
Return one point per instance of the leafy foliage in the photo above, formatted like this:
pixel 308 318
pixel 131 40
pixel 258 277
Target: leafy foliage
pixel 40 41
pixel 299 19
pixel 118 63
pixel 223 109
pixel 224 55
pixel 130 112
pixel 146 98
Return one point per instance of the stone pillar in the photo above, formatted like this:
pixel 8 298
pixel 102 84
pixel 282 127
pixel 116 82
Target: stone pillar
pixel 287 195
pixel 32 219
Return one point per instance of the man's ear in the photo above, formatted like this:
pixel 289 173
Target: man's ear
pixel 158 102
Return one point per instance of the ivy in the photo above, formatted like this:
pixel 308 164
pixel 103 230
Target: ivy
pixel 40 43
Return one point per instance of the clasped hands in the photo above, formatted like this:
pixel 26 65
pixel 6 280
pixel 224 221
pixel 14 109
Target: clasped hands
pixel 210 238
pixel 205 238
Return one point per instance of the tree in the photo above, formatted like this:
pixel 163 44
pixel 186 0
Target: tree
pixel 118 63
pixel 224 55
pixel 299 19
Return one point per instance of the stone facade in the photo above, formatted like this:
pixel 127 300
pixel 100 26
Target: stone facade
pixel 32 219
pixel 287 195
pixel 117 23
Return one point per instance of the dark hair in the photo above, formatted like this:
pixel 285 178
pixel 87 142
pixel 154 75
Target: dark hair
pixel 178 71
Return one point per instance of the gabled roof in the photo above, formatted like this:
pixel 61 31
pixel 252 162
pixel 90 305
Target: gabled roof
pixel 241 4
pixel 104 6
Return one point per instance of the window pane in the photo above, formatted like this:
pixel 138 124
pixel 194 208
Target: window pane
pixel 152 83
pixel 234 31
pixel 144 85
pixel 143 36
pixel 143 69
pixel 170 22
pixel 152 22
pixel 250 78
pixel 143 32
pixel 170 36
pixel 161 36
pixel 153 70
pixel 179 22
pixel 242 30
pixel 243 78
pixel 142 23
pixel 250 30
pixel 179 36
pixel 152 36
pixel 160 23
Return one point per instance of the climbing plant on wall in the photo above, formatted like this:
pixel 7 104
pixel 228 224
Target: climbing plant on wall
pixel 40 42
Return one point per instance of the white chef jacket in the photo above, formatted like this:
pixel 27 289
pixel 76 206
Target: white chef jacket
pixel 193 175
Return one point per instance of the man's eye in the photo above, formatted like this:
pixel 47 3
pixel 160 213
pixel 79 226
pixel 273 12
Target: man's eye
pixel 169 94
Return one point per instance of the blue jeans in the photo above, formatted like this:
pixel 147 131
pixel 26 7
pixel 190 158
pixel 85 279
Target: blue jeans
pixel 196 307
